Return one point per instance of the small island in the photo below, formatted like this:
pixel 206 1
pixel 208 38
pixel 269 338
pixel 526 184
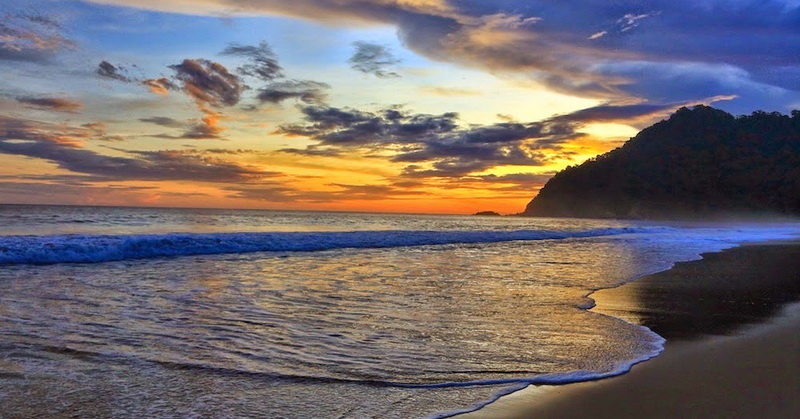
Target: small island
pixel 488 213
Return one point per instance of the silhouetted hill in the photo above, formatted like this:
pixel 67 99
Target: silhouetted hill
pixel 701 162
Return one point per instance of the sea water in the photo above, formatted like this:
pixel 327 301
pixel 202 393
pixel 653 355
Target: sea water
pixel 134 312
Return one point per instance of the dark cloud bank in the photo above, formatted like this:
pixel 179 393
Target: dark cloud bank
pixel 439 146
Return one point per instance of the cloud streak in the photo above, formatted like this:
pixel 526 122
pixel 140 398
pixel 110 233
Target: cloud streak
pixel 32 37
pixel 374 59
pixel 306 91
pixel 262 63
pixel 64 147
pixel 57 104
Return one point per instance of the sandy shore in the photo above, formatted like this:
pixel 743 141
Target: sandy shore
pixel 732 352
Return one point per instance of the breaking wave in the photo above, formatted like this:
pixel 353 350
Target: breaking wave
pixel 75 248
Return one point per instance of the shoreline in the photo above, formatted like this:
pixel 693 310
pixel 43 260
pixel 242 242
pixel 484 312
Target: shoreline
pixel 732 329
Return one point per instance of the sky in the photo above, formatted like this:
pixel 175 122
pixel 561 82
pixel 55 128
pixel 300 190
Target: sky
pixel 421 106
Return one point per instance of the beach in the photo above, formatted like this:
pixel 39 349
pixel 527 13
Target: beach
pixel 732 345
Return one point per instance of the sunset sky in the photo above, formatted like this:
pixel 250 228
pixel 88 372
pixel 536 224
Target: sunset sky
pixel 368 105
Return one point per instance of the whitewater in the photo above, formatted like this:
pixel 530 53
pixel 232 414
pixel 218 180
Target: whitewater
pixel 164 312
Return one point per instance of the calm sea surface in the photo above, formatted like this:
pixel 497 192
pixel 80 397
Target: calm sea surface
pixel 131 312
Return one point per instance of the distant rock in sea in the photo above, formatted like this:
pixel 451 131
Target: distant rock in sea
pixel 700 163
pixel 489 213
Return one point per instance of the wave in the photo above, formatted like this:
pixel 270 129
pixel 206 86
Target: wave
pixel 75 248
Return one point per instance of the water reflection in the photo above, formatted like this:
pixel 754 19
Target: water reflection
pixel 420 315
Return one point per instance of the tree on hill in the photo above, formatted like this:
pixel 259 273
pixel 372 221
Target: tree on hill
pixel 700 162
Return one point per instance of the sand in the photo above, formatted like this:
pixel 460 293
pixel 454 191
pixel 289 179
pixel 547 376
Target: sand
pixel 733 346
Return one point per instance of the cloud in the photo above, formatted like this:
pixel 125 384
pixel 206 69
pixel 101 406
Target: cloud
pixel 18 129
pixel 31 36
pixel 63 146
pixel 262 61
pixel 306 91
pixel 164 121
pixel 313 151
pixel 160 86
pixel 351 127
pixel 110 71
pixel 207 128
pixel 99 132
pixel 374 59
pixel 580 47
pixel 50 103
pixel 211 86
pixel 209 83
pixel 432 145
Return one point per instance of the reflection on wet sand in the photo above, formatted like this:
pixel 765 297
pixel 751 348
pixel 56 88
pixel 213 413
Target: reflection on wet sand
pixel 687 302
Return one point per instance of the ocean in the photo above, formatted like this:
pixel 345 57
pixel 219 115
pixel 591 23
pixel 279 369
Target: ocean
pixel 153 312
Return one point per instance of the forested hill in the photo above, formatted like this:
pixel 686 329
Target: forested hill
pixel 701 162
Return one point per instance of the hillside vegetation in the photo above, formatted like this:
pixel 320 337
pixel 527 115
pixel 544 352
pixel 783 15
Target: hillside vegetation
pixel 701 162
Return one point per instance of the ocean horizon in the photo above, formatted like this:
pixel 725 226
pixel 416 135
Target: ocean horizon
pixel 133 311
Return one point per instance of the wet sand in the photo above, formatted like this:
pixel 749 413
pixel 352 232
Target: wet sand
pixel 733 346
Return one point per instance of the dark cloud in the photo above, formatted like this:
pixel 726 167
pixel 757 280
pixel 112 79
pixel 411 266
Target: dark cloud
pixel 63 146
pixel 31 36
pixel 208 82
pixel 262 61
pixel 51 103
pixel 211 86
pixel 375 59
pixel 111 71
pixel 459 160
pixel 306 91
pixel 351 127
pixel 434 145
